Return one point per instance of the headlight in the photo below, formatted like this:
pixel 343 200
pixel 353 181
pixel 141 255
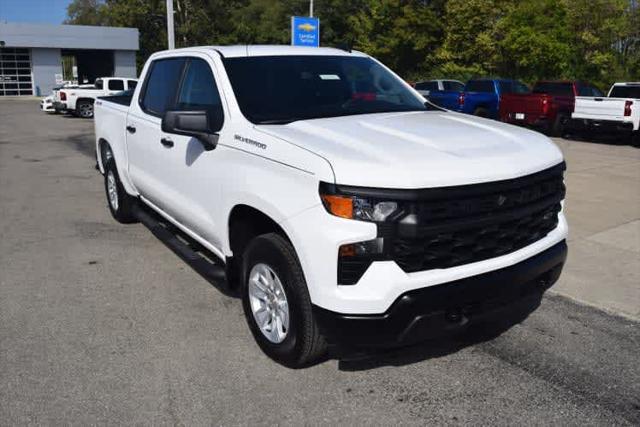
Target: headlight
pixel 362 209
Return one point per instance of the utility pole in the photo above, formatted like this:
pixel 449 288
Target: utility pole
pixel 170 33
pixel 311 8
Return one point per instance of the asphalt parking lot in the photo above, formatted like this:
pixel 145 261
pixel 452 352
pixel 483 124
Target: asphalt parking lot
pixel 102 323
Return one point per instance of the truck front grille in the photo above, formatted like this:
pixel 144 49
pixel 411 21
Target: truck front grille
pixel 452 226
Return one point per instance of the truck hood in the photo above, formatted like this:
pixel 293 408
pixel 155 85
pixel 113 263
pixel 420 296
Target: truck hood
pixel 420 149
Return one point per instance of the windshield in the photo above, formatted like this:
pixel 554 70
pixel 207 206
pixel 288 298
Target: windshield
pixel 283 89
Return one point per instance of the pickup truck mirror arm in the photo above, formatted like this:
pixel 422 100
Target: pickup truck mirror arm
pixel 209 140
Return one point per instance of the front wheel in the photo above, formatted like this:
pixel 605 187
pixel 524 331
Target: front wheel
pixel 277 305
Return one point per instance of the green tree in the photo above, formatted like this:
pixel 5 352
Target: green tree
pixel 85 12
pixel 470 47
pixel 533 41
pixel 597 27
pixel 403 34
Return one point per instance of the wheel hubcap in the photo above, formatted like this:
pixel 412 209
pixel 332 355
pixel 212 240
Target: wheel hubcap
pixel 86 110
pixel 268 303
pixel 112 190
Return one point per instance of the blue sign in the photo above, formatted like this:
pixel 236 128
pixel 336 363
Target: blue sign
pixel 305 31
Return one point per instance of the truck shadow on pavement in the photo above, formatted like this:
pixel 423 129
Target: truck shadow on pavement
pixel 601 139
pixel 475 334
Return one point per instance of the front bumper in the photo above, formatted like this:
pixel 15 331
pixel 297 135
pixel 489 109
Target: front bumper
pixel 440 310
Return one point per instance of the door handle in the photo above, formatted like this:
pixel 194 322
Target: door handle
pixel 131 129
pixel 166 142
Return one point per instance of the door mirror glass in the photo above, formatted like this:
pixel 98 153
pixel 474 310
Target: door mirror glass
pixel 201 124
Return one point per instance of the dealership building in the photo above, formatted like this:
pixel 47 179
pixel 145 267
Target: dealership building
pixel 34 58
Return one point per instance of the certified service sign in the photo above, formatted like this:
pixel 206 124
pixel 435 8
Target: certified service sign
pixel 305 31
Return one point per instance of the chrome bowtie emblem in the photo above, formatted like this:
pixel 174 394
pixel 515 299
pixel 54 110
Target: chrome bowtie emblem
pixel 501 200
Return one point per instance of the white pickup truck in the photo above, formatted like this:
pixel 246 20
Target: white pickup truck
pixel 79 101
pixel 345 209
pixel 618 113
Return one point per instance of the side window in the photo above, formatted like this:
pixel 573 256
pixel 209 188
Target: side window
pixel 161 85
pixel 589 91
pixel 116 84
pixel 431 86
pixel 453 86
pixel 131 84
pixel 483 86
pixel 199 90
pixel 98 84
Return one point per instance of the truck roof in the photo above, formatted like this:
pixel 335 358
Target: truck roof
pixel 266 50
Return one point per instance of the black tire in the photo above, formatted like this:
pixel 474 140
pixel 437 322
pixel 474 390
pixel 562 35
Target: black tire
pixel 303 344
pixel 84 109
pixel 559 125
pixel 635 139
pixel 122 211
pixel 481 112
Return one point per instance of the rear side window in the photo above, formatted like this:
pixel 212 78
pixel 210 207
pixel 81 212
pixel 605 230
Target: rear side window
pixel 625 92
pixel 589 91
pixel 453 86
pixel 161 85
pixel 484 86
pixel 116 84
pixel 513 87
pixel 131 84
pixel 99 84
pixel 427 86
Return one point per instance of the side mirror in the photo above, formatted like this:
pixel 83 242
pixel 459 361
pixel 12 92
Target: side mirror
pixel 201 124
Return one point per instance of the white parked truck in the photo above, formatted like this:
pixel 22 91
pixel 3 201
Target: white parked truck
pixel 79 101
pixel 618 112
pixel 346 210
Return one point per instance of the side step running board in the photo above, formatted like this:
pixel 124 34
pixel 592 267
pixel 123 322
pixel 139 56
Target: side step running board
pixel 211 271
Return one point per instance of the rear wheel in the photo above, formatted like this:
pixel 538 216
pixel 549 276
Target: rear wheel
pixel 559 125
pixel 120 202
pixel 481 112
pixel 276 303
pixel 84 109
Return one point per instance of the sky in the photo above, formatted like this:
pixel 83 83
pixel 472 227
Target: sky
pixel 35 11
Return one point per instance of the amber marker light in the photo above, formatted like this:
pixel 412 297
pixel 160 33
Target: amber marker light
pixel 338 205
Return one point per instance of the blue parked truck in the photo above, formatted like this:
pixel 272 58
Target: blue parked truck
pixel 480 97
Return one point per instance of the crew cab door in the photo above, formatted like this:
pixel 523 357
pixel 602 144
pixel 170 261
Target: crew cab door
pixel 193 173
pixel 148 157
pixel 174 172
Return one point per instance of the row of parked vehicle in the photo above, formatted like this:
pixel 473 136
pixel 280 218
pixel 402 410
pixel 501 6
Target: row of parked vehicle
pixel 556 107
pixel 79 99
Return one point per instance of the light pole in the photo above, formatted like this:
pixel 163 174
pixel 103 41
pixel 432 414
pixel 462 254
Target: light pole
pixel 311 8
pixel 170 34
